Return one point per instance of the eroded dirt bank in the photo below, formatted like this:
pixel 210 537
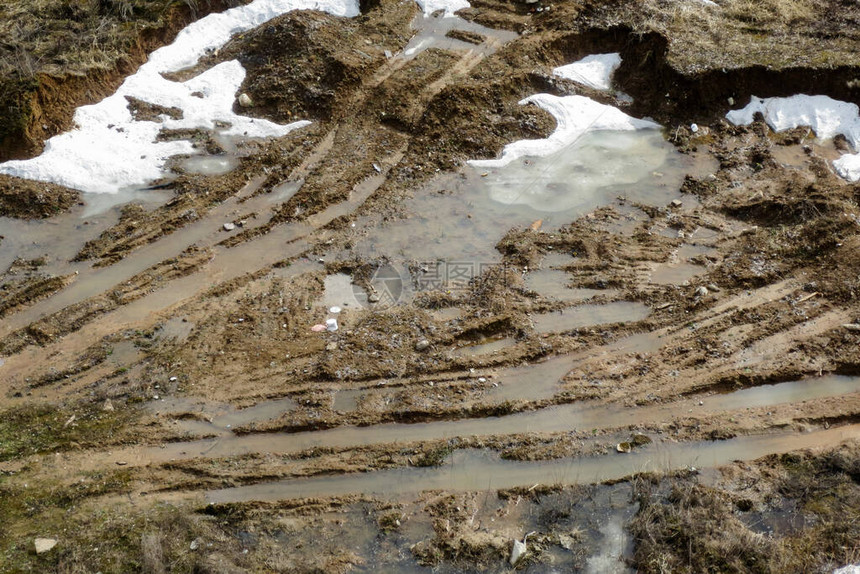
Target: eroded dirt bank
pixel 153 357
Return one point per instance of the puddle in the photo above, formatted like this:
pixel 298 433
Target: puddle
pixel 556 259
pixel 177 328
pixel 614 546
pixel 552 283
pixel 346 401
pixel 340 292
pixel 485 348
pixel 541 380
pixel 447 314
pixel 210 164
pixel 675 273
pixel 124 353
pixel 590 315
pixel 563 418
pixel 473 470
pixel 63 236
pixel 598 165
pixel 459 218
pixel 221 416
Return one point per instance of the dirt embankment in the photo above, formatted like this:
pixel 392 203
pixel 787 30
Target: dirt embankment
pixel 61 55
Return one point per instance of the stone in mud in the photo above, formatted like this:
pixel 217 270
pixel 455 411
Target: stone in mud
pixel 245 100
pixel 640 439
pixel 624 447
pixel 422 345
pixel 229 226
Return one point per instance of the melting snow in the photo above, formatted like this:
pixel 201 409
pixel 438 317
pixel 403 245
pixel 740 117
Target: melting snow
pixel 447 6
pixel 575 116
pixel 827 117
pixel 594 71
pixel 110 150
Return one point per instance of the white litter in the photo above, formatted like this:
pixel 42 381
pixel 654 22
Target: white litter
pixel 827 118
pixel 331 325
pixel 594 71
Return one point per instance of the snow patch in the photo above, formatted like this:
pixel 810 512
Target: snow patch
pixel 594 71
pixel 447 6
pixel 827 118
pixel 575 116
pixel 850 569
pixel 109 150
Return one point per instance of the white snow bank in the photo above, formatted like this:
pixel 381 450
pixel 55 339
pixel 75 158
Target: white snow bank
pixel 850 569
pixel 109 149
pixel 447 6
pixel 594 71
pixel 827 117
pixel 575 116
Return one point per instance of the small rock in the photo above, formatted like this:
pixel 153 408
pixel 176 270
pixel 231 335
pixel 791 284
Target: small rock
pixel 44 544
pixel 482 379
pixel 713 288
pixel 701 291
pixel 422 345
pixel 121 463
pixel 388 53
pixel 676 203
pixel 245 100
pixel 108 406
pixel 731 101
pixel 173 379
pixel 851 326
pixel 318 328
pixel 229 226
pixel 331 346
pixel 640 439
pixel 694 128
pixel 373 298
pixel 334 310
pixel 195 544
pixel 624 447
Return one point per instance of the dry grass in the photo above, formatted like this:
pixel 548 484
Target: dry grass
pixel 694 529
pixel 738 33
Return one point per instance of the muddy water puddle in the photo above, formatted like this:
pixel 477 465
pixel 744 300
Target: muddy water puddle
pixel 60 238
pixel 474 470
pixel 590 315
pixel 460 217
pixel 563 418
pixel 216 417
pixel 485 348
pixel 552 283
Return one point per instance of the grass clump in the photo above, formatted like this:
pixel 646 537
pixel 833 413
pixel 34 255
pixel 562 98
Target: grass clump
pixel 38 428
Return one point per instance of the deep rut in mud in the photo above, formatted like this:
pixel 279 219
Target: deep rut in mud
pixel 507 329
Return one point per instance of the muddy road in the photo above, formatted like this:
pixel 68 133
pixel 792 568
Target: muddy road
pixel 372 345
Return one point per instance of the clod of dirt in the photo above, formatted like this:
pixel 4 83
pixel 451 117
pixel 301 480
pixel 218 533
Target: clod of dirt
pixel 25 199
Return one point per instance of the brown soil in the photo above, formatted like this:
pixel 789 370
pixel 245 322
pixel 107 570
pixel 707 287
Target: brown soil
pixel 221 320
pixel 25 199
